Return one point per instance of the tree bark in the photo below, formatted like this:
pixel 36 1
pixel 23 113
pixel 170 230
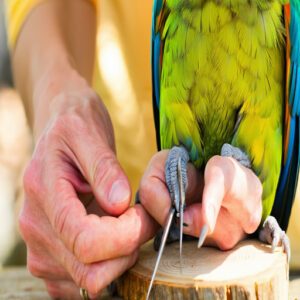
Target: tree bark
pixel 249 271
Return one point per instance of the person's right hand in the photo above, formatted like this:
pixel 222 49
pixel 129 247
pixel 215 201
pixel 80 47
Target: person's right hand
pixel 76 243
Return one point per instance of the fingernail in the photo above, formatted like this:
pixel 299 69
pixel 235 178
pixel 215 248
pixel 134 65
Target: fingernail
pixel 210 216
pixel 203 234
pixel 119 192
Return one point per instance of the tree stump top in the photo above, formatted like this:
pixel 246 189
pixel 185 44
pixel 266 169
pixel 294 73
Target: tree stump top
pixel 250 269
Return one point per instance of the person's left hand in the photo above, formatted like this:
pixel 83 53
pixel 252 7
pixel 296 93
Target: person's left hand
pixel 227 198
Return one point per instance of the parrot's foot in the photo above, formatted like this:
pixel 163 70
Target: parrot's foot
pixel 171 173
pixel 236 153
pixel 272 234
pixel 175 155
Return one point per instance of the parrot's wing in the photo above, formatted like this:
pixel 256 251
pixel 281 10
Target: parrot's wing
pixel 156 58
pixel 287 186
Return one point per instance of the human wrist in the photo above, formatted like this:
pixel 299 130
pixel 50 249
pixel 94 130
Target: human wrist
pixel 50 92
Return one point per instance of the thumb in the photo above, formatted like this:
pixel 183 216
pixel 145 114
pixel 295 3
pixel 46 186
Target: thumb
pixel 110 184
pixel 100 167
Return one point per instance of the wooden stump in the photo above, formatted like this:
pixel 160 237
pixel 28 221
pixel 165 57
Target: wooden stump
pixel 250 271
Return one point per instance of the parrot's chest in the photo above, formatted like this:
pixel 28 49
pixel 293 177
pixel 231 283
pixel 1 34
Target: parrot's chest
pixel 222 66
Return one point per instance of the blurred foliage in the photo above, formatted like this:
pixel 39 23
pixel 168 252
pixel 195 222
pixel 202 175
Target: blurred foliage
pixel 17 256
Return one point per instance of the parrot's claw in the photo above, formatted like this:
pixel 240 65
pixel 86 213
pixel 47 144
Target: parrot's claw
pixel 236 153
pixel 272 234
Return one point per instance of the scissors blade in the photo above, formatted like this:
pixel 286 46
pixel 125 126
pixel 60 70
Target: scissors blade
pixel 181 209
pixel 161 248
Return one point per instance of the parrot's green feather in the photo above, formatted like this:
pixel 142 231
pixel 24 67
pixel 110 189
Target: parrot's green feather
pixel 222 81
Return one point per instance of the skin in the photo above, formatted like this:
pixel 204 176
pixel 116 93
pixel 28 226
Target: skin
pixel 66 115
pixel 227 197
pixel 76 220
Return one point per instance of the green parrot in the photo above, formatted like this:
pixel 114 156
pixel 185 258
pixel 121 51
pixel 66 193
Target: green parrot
pixel 226 81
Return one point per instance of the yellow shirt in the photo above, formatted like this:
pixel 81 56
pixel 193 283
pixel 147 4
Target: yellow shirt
pixel 124 57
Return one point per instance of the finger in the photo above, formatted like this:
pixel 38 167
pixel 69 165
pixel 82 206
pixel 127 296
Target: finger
pixel 94 276
pixel 59 289
pixel 213 193
pixel 227 232
pixel 100 275
pixel 153 192
pixel 40 241
pixel 98 162
pixel 121 235
pixel 42 265
pixel 85 234
pixel 243 192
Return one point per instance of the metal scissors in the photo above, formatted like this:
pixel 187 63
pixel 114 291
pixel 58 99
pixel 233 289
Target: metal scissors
pixel 177 210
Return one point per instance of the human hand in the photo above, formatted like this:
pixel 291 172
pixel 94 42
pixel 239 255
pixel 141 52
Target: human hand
pixel 227 198
pixel 76 243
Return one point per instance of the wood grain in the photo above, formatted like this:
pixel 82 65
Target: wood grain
pixel 250 271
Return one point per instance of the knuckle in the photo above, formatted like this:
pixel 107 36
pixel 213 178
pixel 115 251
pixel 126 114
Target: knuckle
pixel 100 168
pixel 59 124
pixel 217 166
pixel 25 226
pixel 64 124
pixel 81 248
pixel 215 160
pixel 133 242
pixel 34 266
pixel 81 241
pixel 85 277
pixel 218 161
pixel 60 217
pixel 254 221
pixel 226 242
pixel 78 273
pixel 30 180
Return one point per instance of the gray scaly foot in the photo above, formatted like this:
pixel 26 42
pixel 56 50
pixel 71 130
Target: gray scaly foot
pixel 272 234
pixel 171 172
pixel 236 153
pixel 171 175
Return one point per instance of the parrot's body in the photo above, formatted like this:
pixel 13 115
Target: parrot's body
pixel 223 72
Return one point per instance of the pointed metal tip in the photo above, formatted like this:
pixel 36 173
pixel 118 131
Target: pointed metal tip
pixel 203 234
pixel 161 249
pixel 148 294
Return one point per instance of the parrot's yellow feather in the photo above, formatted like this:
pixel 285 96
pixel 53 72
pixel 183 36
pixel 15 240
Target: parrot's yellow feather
pixel 222 81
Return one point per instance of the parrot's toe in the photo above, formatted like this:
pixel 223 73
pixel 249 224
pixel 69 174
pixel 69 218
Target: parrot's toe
pixel 236 153
pixel 175 155
pixel 272 234
pixel 171 172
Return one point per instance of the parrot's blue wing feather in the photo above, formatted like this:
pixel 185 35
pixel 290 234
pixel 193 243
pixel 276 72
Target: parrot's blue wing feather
pixel 155 64
pixel 291 159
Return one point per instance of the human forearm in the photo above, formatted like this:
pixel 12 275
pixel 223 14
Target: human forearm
pixel 55 48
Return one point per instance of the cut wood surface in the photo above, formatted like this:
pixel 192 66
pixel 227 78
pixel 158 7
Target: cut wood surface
pixel 17 283
pixel 250 271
